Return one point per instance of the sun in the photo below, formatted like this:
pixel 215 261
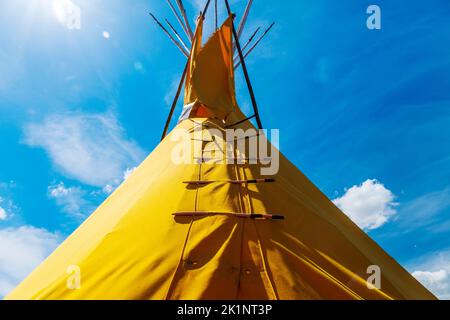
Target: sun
pixel 67 13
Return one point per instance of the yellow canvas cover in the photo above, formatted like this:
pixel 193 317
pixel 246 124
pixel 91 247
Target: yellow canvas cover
pixel 134 247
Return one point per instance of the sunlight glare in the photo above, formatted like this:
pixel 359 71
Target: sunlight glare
pixel 67 13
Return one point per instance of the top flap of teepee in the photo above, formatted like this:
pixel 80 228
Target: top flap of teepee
pixel 210 80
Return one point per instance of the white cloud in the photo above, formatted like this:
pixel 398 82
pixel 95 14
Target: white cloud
pixel 425 210
pixel 71 200
pixel 128 173
pixel 168 98
pixel 109 188
pixel 433 271
pixel 21 250
pixel 3 214
pixel 370 205
pixel 91 148
pixel 106 35
pixel 7 207
pixel 436 281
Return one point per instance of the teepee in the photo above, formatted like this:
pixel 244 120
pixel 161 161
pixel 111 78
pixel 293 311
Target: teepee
pixel 186 225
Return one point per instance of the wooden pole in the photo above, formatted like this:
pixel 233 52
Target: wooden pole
pixel 205 9
pixel 180 85
pixel 180 21
pixel 247 44
pixel 244 18
pixel 178 35
pixel 244 67
pixel 256 44
pixel 216 15
pixel 186 53
pixel 186 21
pixel 174 103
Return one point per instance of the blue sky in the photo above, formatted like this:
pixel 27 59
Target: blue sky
pixel 365 114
